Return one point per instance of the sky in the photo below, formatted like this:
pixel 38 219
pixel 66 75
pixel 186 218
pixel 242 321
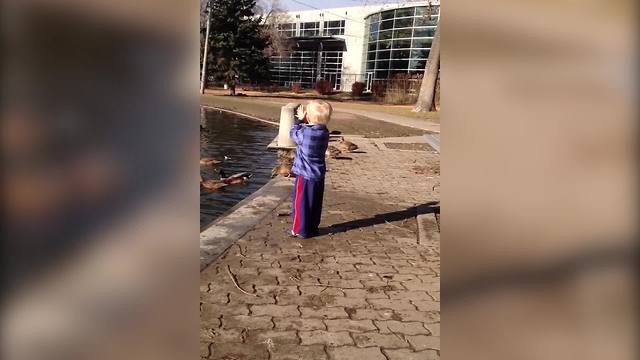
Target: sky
pixel 327 4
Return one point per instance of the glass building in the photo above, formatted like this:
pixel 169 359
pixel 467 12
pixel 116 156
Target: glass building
pixel 360 43
pixel 398 41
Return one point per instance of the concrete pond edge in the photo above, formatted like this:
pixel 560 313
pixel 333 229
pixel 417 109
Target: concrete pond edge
pixel 208 107
pixel 223 232
pixel 242 218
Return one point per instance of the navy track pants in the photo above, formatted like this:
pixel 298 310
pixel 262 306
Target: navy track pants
pixel 307 206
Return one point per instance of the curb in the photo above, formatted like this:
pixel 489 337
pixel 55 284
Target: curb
pixel 240 114
pixel 433 141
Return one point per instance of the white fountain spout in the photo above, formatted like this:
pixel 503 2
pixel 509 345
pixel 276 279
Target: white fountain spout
pixel 287 118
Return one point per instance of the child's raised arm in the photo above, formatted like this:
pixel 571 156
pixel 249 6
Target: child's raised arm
pixel 296 132
pixel 301 114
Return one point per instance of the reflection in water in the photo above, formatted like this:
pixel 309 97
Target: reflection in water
pixel 244 142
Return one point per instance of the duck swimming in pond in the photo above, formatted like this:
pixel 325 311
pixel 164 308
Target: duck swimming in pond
pixel 239 178
pixel 209 161
pixel 212 161
pixel 212 185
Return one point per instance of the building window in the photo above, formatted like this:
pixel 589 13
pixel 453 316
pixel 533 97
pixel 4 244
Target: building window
pixel 333 28
pixel 384 45
pixel 373 27
pixel 399 40
pixel 388 14
pixel 417 64
pixel 310 28
pixel 385 35
pixel 422 43
pixel 287 29
pixel 386 25
pixel 332 67
pixel 302 67
pixel 383 54
pixel 430 10
pixel 403 23
pixel 405 12
pixel 401 54
pixel 402 44
pixel 299 66
pixel 420 53
pixel 426 21
pixel 402 33
pixel 424 32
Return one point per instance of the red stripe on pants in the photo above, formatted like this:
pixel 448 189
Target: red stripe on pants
pixel 296 221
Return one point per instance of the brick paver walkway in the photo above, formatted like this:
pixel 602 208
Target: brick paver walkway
pixel 366 289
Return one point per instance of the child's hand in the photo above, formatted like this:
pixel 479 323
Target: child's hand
pixel 301 114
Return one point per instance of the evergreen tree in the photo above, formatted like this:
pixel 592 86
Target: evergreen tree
pixel 237 43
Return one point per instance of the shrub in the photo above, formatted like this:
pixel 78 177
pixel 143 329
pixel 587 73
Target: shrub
pixel 296 87
pixel 273 88
pixel 357 88
pixel 248 87
pixel 402 89
pixel 397 96
pixel 378 88
pixel 323 87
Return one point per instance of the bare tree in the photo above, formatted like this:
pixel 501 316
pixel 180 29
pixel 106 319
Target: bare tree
pixel 274 15
pixel 203 13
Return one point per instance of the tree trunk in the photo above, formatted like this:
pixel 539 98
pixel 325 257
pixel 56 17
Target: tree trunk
pixel 203 79
pixel 436 100
pixel 428 87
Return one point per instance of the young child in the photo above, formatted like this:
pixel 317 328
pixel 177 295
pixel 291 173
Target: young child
pixel 312 137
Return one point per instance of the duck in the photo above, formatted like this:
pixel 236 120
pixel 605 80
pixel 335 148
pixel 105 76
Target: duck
pixel 287 155
pixel 287 159
pixel 212 185
pixel 209 161
pixel 239 178
pixel 346 146
pixel 287 162
pixel 333 152
pixel 212 161
pixel 282 169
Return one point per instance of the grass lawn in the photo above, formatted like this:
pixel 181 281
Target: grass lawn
pixel 286 97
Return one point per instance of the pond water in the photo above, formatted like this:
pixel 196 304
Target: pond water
pixel 244 142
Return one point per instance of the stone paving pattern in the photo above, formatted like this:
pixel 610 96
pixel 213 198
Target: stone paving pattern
pixel 366 288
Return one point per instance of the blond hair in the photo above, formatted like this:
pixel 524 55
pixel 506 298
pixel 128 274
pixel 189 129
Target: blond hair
pixel 318 112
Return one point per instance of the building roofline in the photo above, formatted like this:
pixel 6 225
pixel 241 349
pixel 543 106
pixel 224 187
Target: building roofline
pixel 379 8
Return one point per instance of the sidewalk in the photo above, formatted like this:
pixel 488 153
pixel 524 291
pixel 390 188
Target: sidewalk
pixel 394 119
pixel 368 288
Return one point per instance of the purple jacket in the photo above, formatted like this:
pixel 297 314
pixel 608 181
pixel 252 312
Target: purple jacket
pixel 312 141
